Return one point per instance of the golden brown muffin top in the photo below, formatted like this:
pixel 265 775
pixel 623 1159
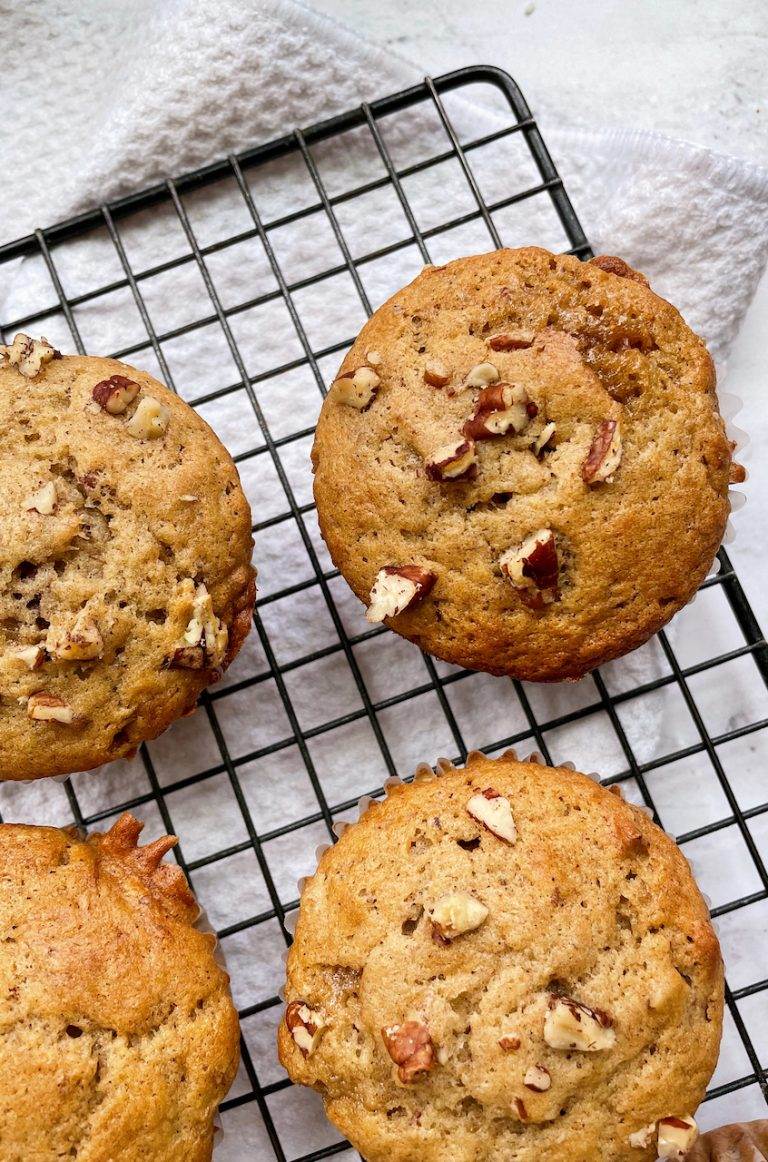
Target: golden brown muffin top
pixel 118 1036
pixel 465 934
pixel 513 395
pixel 122 523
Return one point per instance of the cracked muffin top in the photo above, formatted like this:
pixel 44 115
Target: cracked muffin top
pixel 126 583
pixel 505 961
pixel 521 466
pixel 118 1034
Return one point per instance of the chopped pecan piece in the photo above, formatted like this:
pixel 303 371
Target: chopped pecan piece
pixel 617 266
pixel 537 1078
pixel 44 707
pixel 25 657
pixel 436 374
pixel 667 988
pixel 495 813
pixel 150 420
pixel 358 388
pixel 306 1026
pixel 642 1138
pixel 511 340
pixel 543 438
pixel 81 641
pixel 397 588
pixel 569 1024
pixel 457 913
pixel 500 408
pixel 533 568
pixel 42 501
pixel 676 1136
pixel 604 454
pixel 28 355
pixel 206 633
pixel 410 1047
pixel 115 394
pixel 453 462
pixel 187 658
pixel 481 375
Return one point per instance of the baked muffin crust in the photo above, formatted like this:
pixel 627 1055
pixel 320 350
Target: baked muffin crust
pixel 118 1036
pixel 126 583
pixel 470 929
pixel 520 395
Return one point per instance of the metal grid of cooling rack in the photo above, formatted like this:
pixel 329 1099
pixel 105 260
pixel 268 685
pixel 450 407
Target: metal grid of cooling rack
pixel 264 1121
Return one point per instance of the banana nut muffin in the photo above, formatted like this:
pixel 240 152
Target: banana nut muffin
pixel 521 466
pixel 505 961
pixel 740 1142
pixel 126 583
pixel 118 1036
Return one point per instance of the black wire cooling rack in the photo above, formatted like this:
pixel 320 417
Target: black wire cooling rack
pixel 267 1116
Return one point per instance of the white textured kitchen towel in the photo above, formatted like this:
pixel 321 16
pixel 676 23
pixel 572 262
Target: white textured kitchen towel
pixel 101 99
pixel 112 99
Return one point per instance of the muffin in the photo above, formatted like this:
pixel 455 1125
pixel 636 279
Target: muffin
pixel 741 1142
pixel 119 1036
pixel 126 583
pixel 521 466
pixel 505 961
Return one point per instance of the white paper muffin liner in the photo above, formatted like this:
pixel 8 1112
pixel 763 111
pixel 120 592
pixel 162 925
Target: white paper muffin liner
pixel 203 924
pixel 730 405
pixel 442 765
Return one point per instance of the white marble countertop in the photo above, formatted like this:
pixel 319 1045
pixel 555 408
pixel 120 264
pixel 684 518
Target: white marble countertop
pixel 688 68
pixel 693 69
